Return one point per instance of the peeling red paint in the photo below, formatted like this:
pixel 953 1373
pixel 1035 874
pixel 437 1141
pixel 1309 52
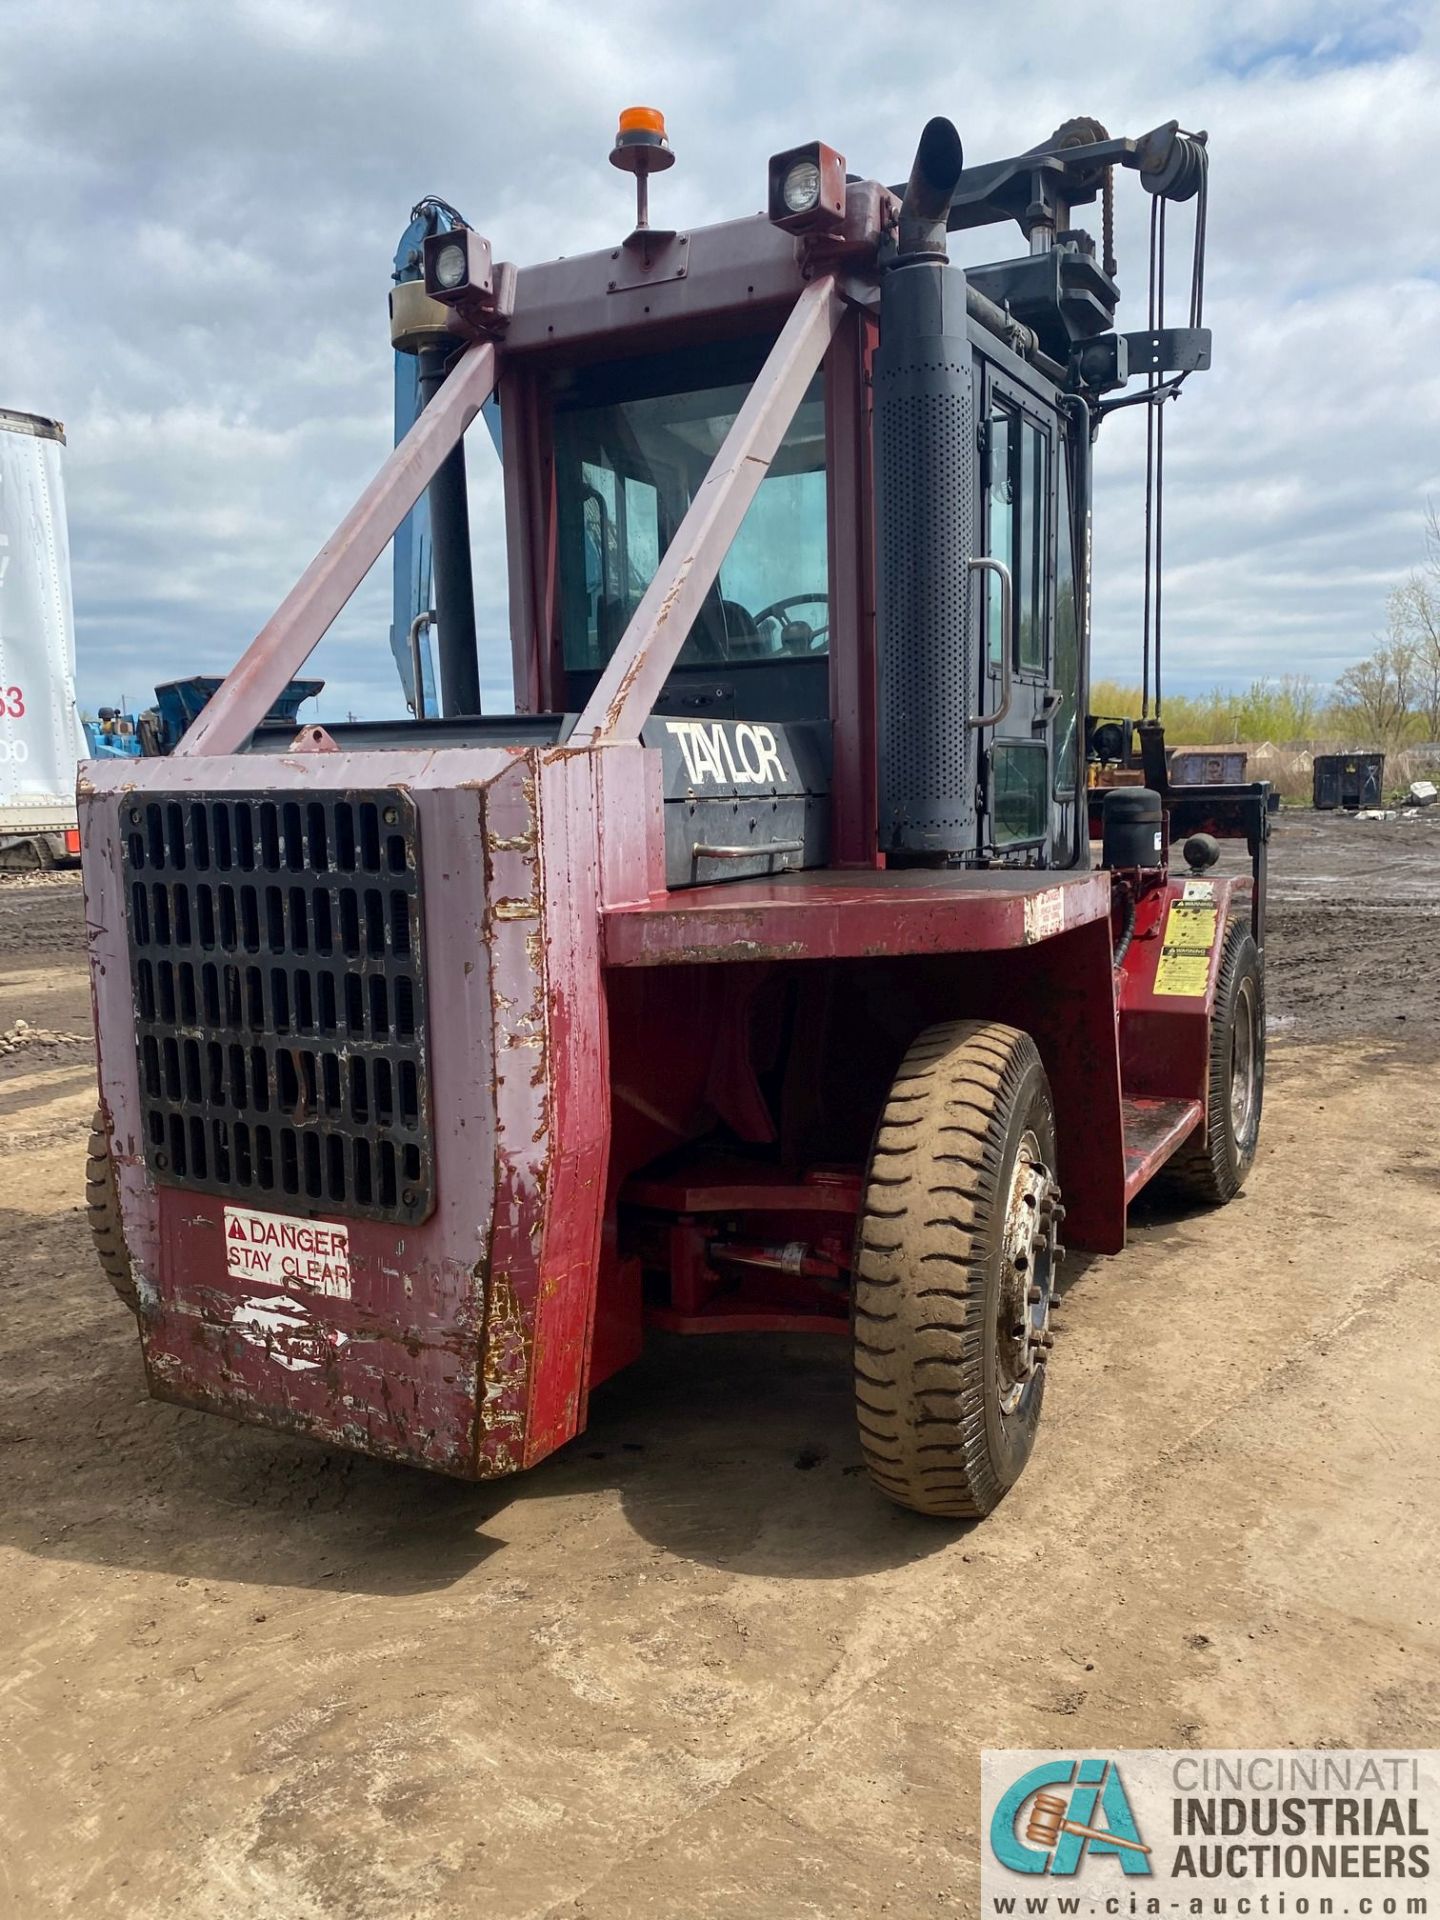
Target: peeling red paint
pixel 450 1354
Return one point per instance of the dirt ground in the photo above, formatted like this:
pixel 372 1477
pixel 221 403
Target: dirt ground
pixel 694 1665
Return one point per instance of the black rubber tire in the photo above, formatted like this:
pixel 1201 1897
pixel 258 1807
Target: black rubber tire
pixel 928 1265
pixel 1212 1165
pixel 28 856
pixel 102 1205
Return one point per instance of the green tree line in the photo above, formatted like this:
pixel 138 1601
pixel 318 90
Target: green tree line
pixel 1390 699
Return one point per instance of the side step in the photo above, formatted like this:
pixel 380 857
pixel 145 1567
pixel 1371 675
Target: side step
pixel 1154 1130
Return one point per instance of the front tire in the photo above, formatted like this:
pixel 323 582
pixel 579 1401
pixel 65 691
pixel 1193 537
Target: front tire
pixel 955 1257
pixel 1212 1165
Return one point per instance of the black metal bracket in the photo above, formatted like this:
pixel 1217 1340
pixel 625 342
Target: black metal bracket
pixel 1166 159
pixel 1168 350
pixel 1112 359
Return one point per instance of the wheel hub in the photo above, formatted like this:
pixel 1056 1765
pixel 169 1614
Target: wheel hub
pixel 1244 1057
pixel 1030 1255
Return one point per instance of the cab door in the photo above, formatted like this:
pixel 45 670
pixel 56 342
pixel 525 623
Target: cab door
pixel 1019 445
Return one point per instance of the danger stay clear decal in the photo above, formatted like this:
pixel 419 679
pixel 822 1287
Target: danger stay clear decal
pixel 285 1252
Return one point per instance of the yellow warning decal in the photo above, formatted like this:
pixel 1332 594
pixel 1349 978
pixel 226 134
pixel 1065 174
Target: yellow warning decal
pixel 1185 952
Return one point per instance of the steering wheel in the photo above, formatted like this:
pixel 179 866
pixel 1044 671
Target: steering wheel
pixel 777 609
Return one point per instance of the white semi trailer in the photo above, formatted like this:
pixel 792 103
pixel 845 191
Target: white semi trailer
pixel 41 738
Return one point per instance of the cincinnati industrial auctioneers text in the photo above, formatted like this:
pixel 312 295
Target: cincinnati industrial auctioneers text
pixel 1268 1816
pixel 1280 1834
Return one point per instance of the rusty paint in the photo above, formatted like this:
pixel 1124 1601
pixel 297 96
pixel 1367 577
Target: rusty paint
pixel 398 1369
pixel 700 954
pixel 505 1362
pixel 821 914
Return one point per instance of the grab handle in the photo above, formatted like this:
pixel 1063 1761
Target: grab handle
pixel 984 563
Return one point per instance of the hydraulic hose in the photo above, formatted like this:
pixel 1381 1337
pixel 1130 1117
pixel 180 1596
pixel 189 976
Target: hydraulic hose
pixel 1127 932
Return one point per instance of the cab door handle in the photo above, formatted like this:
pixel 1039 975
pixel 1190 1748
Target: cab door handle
pixel 984 563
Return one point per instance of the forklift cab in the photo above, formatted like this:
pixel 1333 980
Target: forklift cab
pixel 900 576
pixel 631 441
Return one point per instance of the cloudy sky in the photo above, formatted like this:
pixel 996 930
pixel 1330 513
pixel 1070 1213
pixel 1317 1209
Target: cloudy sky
pixel 200 204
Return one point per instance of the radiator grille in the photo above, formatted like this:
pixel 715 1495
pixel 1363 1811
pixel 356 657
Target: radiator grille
pixel 279 983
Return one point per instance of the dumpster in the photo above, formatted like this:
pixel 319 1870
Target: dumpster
pixel 178 703
pixel 1207 766
pixel 1350 780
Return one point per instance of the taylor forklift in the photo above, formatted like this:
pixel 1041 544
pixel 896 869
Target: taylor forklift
pixel 759 972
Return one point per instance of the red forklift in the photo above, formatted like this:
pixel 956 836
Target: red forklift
pixel 760 972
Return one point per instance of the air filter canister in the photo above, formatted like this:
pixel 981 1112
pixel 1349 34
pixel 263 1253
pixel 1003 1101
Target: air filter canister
pixel 1134 834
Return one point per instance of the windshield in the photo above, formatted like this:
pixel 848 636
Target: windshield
pixel 625 474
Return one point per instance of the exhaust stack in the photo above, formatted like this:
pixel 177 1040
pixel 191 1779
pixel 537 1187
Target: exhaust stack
pixel 926 533
pixel 939 161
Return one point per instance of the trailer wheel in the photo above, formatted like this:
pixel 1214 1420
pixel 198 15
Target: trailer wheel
pixel 1211 1167
pixel 102 1204
pixel 954 1268
pixel 31 855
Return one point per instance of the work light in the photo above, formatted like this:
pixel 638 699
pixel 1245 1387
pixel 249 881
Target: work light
pixel 457 266
pixel 450 266
pixel 807 189
pixel 801 188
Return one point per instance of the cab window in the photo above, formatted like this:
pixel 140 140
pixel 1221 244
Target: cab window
pixel 1030 548
pixel 627 467
pixel 1021 801
pixel 1018 454
pixel 1067 640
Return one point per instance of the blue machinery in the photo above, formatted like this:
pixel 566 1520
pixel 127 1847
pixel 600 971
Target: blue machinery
pixel 420 560
pixel 410 591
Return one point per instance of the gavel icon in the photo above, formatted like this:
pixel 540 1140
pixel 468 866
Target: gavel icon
pixel 1047 1822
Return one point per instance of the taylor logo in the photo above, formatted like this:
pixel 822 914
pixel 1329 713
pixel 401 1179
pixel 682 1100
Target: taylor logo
pixel 1056 1816
pixel 745 756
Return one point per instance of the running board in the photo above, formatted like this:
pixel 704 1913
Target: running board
pixel 1154 1130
